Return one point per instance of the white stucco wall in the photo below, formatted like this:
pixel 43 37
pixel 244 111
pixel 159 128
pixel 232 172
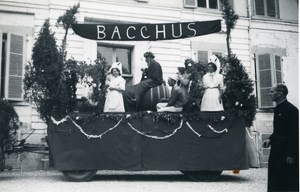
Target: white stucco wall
pixel 284 36
pixel 248 32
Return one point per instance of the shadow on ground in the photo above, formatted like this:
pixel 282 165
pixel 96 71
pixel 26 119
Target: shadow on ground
pixel 162 178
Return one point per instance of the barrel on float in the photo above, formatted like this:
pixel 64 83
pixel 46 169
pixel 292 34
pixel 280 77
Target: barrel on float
pixel 154 96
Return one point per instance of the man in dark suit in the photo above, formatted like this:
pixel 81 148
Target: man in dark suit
pixel 283 167
pixel 152 77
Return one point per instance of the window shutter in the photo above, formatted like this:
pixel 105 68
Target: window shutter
pixel 259 7
pixel 190 3
pixel 264 80
pixel 271 8
pixel 14 67
pixel 278 69
pixel 203 57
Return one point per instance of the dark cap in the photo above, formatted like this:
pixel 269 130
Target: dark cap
pixel 149 54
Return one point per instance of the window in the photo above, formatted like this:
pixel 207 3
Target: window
pixel 12 66
pixel 268 72
pixel 203 56
pixel 115 53
pixel 209 4
pixel 203 51
pixel 266 8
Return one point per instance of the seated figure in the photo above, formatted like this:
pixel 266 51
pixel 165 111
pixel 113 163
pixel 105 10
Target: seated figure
pixel 177 100
pixel 152 77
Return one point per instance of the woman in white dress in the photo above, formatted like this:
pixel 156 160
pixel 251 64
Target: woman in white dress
pixel 213 84
pixel 114 98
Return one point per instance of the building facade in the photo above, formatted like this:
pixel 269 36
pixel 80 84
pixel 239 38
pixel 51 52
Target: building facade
pixel 265 39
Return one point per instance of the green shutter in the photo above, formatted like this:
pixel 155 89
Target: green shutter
pixel 14 67
pixel 264 80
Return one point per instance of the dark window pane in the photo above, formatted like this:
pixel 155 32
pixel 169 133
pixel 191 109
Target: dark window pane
pixel 271 8
pixel 265 100
pixel 265 78
pixel 116 54
pixel 264 62
pixel 107 53
pixel 259 7
pixel 124 56
pixel 202 3
pixel 213 4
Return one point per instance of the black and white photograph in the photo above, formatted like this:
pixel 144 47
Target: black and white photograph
pixel 149 96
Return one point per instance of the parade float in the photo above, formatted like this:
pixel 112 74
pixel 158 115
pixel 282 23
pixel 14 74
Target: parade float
pixel 199 144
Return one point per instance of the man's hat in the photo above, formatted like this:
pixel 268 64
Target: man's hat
pixel 149 54
pixel 174 77
pixel 180 65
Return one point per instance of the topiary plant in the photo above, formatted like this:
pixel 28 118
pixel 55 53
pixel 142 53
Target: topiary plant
pixel 50 80
pixel 238 95
pixel 43 82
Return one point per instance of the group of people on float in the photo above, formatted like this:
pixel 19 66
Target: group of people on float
pixel 152 77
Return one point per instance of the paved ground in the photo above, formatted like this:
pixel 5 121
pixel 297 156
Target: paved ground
pixel 252 180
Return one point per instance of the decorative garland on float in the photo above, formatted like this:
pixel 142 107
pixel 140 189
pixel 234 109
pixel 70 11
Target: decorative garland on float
pixel 170 118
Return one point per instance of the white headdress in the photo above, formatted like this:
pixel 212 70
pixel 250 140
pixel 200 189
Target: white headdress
pixel 117 65
pixel 214 59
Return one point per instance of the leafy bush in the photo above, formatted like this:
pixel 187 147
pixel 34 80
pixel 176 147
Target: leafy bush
pixel 196 87
pixel 9 123
pixel 96 73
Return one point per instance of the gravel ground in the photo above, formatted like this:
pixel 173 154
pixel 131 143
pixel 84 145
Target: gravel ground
pixel 252 180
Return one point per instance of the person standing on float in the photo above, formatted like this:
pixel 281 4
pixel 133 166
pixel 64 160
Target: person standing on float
pixel 152 77
pixel 116 85
pixel 213 85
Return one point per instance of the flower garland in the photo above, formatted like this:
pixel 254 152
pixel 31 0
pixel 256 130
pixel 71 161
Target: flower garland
pixel 128 117
pixel 209 126
pixel 170 118
pixel 156 137
pixel 82 131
